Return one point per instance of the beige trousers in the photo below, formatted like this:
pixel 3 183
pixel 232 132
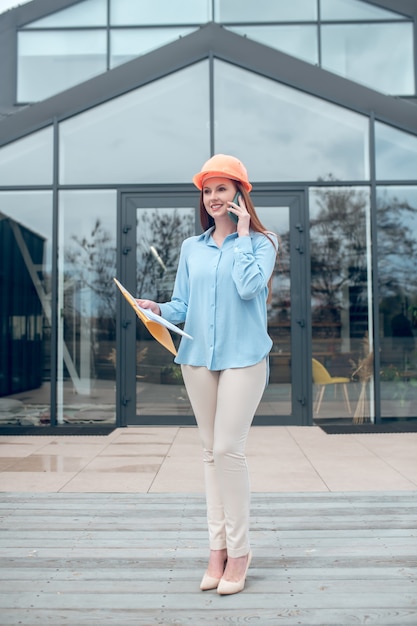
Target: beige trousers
pixel 224 403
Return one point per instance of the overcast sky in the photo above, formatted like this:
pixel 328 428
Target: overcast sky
pixel 8 4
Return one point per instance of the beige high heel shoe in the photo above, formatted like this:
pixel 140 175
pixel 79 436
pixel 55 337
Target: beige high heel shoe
pixel 227 587
pixel 209 582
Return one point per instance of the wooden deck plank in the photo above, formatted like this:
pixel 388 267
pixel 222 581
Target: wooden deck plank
pixel 137 535
pixel 43 599
pixel 362 577
pixel 20 531
pixel 319 559
pixel 281 616
pixel 274 585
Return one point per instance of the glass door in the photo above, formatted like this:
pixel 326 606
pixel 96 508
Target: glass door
pixel 341 305
pixel 150 386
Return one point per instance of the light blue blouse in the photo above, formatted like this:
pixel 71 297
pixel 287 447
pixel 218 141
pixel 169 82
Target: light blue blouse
pixel 221 295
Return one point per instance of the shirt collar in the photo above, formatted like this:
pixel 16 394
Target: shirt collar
pixel 207 234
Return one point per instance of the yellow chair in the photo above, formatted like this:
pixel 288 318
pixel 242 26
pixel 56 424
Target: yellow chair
pixel 321 378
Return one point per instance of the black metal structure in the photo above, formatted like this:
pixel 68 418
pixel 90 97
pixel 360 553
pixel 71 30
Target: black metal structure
pixel 210 42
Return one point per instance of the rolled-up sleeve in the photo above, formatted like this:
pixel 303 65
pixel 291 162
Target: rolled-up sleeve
pixel 253 264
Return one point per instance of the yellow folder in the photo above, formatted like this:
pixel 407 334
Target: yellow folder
pixel 156 328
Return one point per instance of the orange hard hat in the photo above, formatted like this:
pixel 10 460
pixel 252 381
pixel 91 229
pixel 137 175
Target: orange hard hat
pixel 222 166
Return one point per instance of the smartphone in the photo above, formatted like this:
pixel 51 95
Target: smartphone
pixel 233 216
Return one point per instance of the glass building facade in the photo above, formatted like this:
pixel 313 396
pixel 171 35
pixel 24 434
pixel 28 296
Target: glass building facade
pixel 127 100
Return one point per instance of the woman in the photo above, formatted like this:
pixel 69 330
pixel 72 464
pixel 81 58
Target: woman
pixel 220 293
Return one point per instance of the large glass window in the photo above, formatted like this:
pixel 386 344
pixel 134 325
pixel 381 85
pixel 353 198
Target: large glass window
pixel 299 41
pixel 377 55
pixel 25 311
pixel 265 11
pixel 28 161
pixel 341 304
pixel 357 40
pixel 397 254
pixel 283 134
pixel 160 233
pixel 354 10
pixel 87 305
pixel 52 61
pixel 147 12
pixel 85 13
pixel 395 153
pixel 128 43
pixel 155 134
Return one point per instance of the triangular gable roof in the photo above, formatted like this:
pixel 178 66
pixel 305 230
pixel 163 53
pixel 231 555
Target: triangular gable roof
pixel 214 40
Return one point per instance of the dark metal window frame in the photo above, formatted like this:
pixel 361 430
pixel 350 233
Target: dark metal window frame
pixel 399 9
pixel 134 198
pixel 210 42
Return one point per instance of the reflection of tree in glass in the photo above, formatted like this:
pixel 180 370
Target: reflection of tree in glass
pixel 160 234
pixel 338 250
pixel 397 247
pixel 397 251
pixel 91 263
pixel 89 320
